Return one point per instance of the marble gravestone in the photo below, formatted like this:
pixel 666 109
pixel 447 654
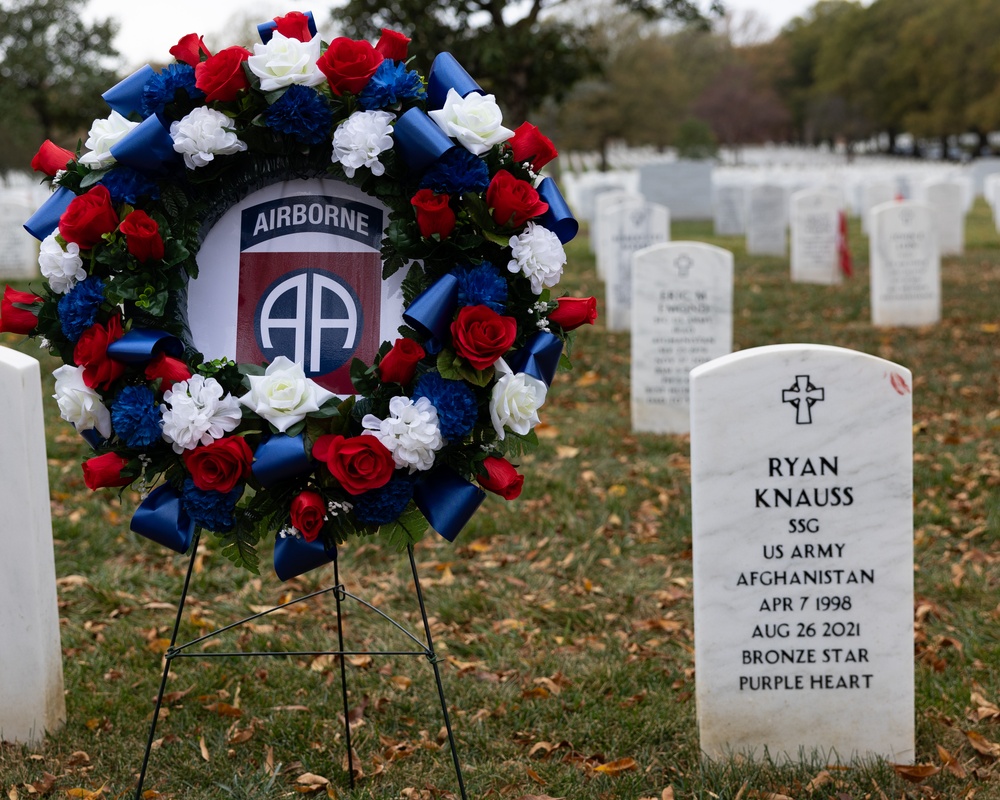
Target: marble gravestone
pixel 802 509
pixel 815 225
pixel 683 186
pixel 874 193
pixel 18 248
pixel 600 234
pixel 766 220
pixel 31 676
pixel 947 203
pixel 682 316
pixel 631 226
pixel 905 265
pixel 729 209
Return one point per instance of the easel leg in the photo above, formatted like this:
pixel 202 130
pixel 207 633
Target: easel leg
pixel 339 595
pixel 432 657
pixel 166 667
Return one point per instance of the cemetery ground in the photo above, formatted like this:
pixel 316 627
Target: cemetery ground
pixel 564 617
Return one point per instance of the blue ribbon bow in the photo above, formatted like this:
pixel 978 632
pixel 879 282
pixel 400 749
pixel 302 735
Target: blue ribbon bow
pixel 147 147
pixel 446 73
pixel 447 500
pixel 419 140
pixel 92 437
pixel 162 519
pixel 294 556
pixel 46 218
pixel 139 345
pixel 125 97
pixel 279 458
pixel 432 310
pixel 539 357
pixel 558 219
pixel 266 29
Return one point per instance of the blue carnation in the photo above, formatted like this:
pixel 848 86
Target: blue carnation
pixel 136 417
pixel 482 286
pixel 127 185
pixel 78 308
pixel 303 113
pixel 390 84
pixel 210 510
pixel 162 88
pixel 455 403
pixel 383 505
pixel 457 172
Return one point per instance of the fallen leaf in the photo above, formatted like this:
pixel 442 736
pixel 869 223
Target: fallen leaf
pixel 323 663
pixel 617 767
pixel 564 451
pixel 539 797
pixel 983 745
pixel 86 794
pixel 12 794
pixel 43 785
pixel 668 793
pixel 224 710
pixel 401 681
pixel 360 661
pixel 309 782
pixel 822 779
pixel 951 763
pixel 78 759
pixel 915 773
pixel 159 645
pixel 204 748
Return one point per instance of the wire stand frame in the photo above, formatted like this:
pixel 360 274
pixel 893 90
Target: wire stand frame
pixel 425 649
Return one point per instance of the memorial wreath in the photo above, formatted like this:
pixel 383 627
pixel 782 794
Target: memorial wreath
pixel 245 449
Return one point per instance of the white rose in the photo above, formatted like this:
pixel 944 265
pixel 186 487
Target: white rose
pixel 204 134
pixel 283 395
pixel 63 268
pixel 283 61
pixel 539 255
pixel 80 404
pixel 198 411
pixel 515 401
pixel 103 135
pixel 411 432
pixel 361 139
pixel 475 120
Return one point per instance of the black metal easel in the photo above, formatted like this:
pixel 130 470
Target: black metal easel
pixel 340 594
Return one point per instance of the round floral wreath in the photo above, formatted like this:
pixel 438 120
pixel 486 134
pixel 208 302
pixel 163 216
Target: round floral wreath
pixel 241 450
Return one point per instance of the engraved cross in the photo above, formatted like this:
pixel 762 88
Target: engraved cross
pixel 683 264
pixel 803 395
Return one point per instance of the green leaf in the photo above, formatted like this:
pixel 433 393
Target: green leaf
pixel 449 365
pixel 251 369
pixel 477 377
pixel 407 530
pixel 239 546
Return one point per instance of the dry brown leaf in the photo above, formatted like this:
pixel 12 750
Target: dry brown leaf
pixel 204 749
pixel 589 378
pixel 401 681
pixel 951 763
pixel 43 785
pixel 86 794
pixel 539 797
pixel 617 767
pixel 309 782
pixel 269 760
pixel 822 779
pixel 668 793
pixel 915 773
pixel 360 661
pixel 12 794
pixel 78 759
pixel 983 745
pixel 536 777
pixel 565 451
pixel 323 663
pixel 159 645
pixel 224 710
pixel 541 747
pixel 241 737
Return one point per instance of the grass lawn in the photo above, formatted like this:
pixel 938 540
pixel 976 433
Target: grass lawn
pixel 563 618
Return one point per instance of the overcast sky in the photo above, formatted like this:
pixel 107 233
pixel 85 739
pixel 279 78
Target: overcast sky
pixel 148 30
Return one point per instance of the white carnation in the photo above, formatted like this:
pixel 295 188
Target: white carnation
pixel 283 61
pixel 204 134
pixel 198 411
pixel 283 395
pixel 410 432
pixel 539 255
pixel 515 401
pixel 63 267
pixel 361 139
pixel 475 120
pixel 105 134
pixel 80 404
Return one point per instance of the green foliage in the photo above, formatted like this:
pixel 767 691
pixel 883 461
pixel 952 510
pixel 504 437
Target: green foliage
pixel 405 531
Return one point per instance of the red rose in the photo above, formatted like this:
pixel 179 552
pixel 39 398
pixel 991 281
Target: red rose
pixel 530 144
pixel 399 364
pixel 499 476
pixel 308 514
pixel 18 320
pixel 574 312
pixel 105 470
pixel 294 25
pixel 91 353
pixel 481 335
pixel 513 201
pixel 349 64
pixel 142 236
pixel 88 217
pixel 434 213
pixel 393 45
pixel 169 370
pixel 221 77
pixel 360 463
pixel 219 466
pixel 189 50
pixel 51 158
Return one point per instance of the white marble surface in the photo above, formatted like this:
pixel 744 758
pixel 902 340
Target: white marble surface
pixel 683 186
pixel 767 220
pixel 802 504
pixel 729 209
pixel 874 193
pixel 905 265
pixel 600 233
pixel 631 225
pixel 947 203
pixel 18 248
pixel 31 678
pixel 682 316
pixel 815 224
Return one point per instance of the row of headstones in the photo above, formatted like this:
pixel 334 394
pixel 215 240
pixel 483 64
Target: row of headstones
pixel 19 198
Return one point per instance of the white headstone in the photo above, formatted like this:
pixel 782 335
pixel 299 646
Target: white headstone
pixel 682 316
pixel 631 226
pixel 600 232
pixel 729 209
pixel 18 248
pixel 905 265
pixel 767 220
pixel 31 677
pixel 802 504
pixel 685 187
pixel 947 203
pixel 815 224
pixel 874 193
